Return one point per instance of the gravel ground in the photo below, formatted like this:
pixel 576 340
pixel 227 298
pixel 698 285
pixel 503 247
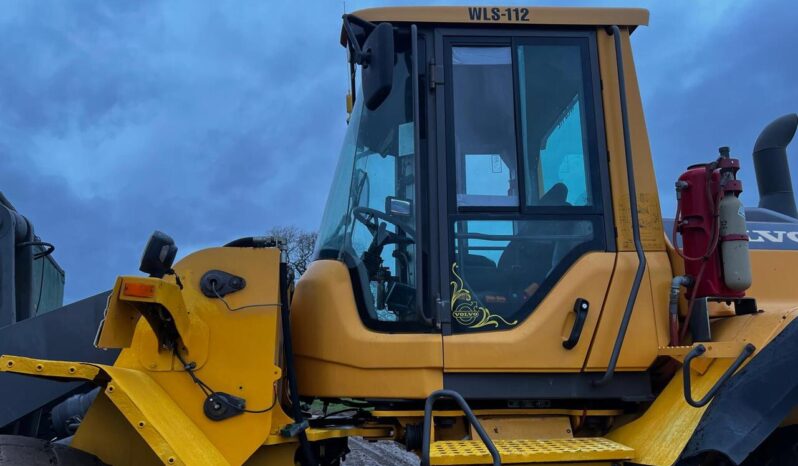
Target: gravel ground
pixel 383 453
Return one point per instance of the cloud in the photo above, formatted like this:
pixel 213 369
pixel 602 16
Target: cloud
pixel 215 120
pixel 208 122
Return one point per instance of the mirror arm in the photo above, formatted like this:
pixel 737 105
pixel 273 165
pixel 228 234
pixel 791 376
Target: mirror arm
pixel 357 56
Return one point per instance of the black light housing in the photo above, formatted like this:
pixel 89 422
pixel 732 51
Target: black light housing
pixel 159 254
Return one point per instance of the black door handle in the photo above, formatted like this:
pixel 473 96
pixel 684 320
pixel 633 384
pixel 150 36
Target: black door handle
pixel 580 308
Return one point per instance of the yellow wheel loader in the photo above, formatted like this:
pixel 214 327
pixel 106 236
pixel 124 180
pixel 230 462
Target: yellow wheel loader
pixel 493 281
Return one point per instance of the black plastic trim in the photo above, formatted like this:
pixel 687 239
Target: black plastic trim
pixel 626 386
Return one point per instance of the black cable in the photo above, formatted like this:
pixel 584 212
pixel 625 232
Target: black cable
pixel 233 309
pixel 41 287
pixel 209 392
pixel 39 255
pixel 288 353
pixel 50 248
pixel 177 277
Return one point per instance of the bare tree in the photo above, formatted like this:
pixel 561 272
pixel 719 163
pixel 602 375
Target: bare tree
pixel 300 244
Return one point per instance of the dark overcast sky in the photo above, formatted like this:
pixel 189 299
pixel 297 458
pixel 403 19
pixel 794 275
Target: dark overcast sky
pixel 214 120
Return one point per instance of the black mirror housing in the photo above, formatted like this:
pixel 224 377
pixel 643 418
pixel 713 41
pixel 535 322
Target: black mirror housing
pixel 378 62
pixel 159 254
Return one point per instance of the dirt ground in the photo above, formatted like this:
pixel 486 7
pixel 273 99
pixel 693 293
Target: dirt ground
pixel 365 453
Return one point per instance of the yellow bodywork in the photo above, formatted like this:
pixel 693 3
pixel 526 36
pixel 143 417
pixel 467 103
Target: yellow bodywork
pixel 661 433
pixel 536 15
pixel 337 356
pixel 235 352
pixel 333 363
pixel 150 410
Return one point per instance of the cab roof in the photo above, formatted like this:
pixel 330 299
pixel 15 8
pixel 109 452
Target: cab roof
pixel 560 16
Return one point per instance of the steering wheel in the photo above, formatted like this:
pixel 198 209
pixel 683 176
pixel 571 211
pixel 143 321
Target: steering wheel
pixel 371 219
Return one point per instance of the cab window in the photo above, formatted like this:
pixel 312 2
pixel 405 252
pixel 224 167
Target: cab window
pixel 553 127
pixel 486 160
pixel 527 198
pixel 370 221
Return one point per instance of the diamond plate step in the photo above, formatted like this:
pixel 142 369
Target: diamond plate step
pixel 530 451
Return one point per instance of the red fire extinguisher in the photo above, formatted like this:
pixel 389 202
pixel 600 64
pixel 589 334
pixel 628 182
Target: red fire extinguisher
pixel 711 220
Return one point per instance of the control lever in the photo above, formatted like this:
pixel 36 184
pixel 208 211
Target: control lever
pixel 581 307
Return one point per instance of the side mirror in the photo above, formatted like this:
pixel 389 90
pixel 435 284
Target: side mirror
pixel 377 70
pixel 396 207
pixel 159 254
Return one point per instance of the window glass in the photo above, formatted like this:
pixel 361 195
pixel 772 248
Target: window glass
pixel 505 261
pixel 484 126
pixel 501 266
pixel 369 221
pixel 553 125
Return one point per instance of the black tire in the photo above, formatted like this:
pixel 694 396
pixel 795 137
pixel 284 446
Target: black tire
pixel 780 449
pixel 16 450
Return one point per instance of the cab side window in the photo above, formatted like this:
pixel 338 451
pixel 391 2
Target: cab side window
pixel 486 159
pixel 553 125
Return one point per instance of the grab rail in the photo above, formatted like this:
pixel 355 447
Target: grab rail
pixel 747 351
pixel 435 396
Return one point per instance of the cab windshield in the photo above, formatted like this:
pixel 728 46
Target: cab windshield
pixel 370 217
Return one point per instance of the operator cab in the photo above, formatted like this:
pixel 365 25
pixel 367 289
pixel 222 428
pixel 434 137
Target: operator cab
pixel 464 192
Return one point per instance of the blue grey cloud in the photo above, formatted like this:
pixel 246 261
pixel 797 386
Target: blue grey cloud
pixel 212 120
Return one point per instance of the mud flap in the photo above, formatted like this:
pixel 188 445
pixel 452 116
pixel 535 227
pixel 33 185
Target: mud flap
pixel 751 405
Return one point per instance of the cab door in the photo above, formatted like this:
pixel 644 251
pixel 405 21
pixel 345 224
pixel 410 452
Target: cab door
pixel 528 227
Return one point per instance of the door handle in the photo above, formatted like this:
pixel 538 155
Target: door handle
pixel 581 307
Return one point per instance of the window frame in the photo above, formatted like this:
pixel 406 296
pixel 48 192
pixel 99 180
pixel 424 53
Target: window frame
pixel 423 272
pixel 590 149
pixel 599 212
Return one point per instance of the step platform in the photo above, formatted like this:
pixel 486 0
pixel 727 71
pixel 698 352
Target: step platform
pixel 567 450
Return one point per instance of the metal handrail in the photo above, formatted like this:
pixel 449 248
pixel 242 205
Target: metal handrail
pixel 630 180
pixel 435 396
pixel 747 351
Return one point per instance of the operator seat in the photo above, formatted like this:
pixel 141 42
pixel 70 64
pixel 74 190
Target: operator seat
pixel 526 262
pixel 479 273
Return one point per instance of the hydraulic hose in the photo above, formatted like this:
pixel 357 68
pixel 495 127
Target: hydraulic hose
pixel 673 305
pixel 296 409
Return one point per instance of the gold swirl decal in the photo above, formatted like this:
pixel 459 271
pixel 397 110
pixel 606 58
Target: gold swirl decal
pixel 468 312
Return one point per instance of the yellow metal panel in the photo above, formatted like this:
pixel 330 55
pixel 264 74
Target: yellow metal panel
pixel 243 353
pixel 662 432
pixel 714 349
pixel 535 344
pixel 173 436
pixel 46 368
pixel 316 434
pixel 773 283
pixel 529 451
pixel 106 433
pixel 515 427
pixel 651 230
pixel 242 359
pixel 122 312
pixel 640 345
pixel 274 455
pixel 336 355
pixel 536 15
pixel 660 274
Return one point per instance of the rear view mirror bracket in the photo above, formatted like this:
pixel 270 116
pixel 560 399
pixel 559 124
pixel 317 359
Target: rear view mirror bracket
pixel 376 57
